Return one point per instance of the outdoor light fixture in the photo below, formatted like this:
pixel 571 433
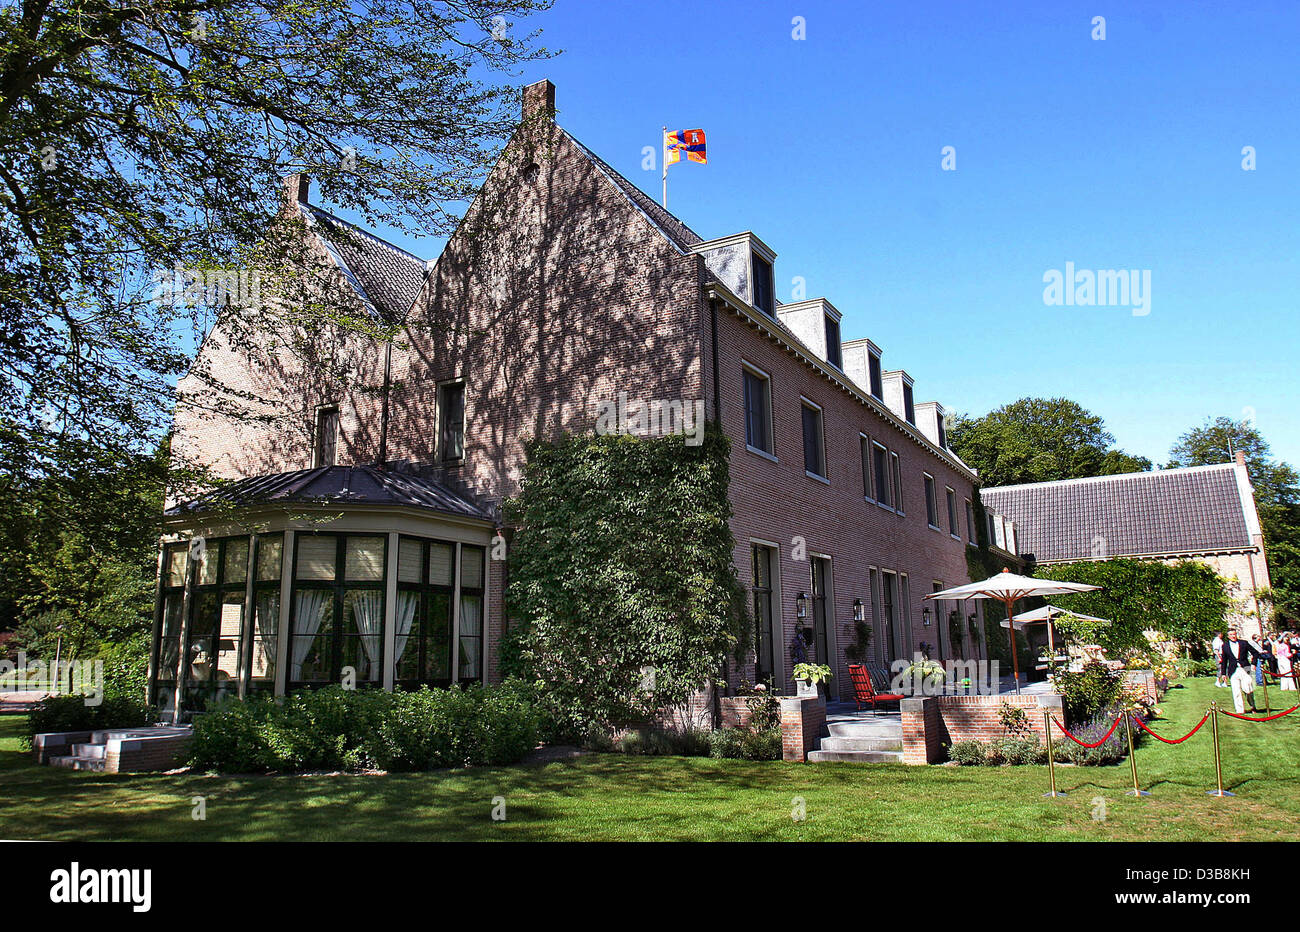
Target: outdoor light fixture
pixel 925 616
pixel 857 610
pixel 801 605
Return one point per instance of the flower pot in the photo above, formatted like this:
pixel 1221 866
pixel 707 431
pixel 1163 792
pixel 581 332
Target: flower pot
pixel 805 688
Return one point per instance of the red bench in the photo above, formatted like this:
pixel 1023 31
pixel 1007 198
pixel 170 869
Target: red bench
pixel 864 693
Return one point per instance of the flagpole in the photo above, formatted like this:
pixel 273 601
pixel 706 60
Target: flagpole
pixel 664 145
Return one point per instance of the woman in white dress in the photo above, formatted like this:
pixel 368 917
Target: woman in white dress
pixel 1285 656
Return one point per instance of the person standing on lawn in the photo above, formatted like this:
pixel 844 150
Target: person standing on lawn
pixel 1284 655
pixel 1216 646
pixel 1239 664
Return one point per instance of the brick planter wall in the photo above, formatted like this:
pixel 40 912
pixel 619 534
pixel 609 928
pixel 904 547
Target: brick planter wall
pixel 134 755
pixel 802 723
pixel 930 722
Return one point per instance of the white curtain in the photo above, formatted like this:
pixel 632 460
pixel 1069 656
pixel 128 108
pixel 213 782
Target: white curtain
pixel 471 641
pixel 368 611
pixel 307 618
pixel 406 605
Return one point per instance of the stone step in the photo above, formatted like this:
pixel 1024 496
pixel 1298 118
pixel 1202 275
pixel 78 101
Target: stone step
pixel 89 750
pixel 858 729
pixel 78 763
pixel 101 737
pixel 834 743
pixel 856 757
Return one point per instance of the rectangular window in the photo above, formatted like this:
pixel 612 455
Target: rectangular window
pixel 874 583
pixel 931 506
pixel 338 608
pixel 953 529
pixel 877 379
pixel 212 649
pixel 470 640
pixel 266 612
pixel 763 289
pixel 909 409
pixel 880 459
pixel 970 523
pixel 761 590
pixel 423 621
pixel 171 604
pixel 758 411
pixel 943 437
pixel 451 422
pixel 814 454
pixel 898 482
pixel 904 615
pixel 865 444
pixel 834 353
pixel 889 596
pixel 327 436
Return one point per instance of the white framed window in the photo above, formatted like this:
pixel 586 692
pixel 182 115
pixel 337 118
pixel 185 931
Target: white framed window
pixel 757 392
pixel 931 505
pixel 814 441
pixel 451 422
pixel 895 465
pixel 884 493
pixel 326 441
pixel 953 528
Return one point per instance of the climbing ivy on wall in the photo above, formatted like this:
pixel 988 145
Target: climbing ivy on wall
pixel 622 594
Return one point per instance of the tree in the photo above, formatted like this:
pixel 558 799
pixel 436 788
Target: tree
pixel 1039 440
pixel 621 591
pixel 1187 601
pixel 1277 497
pixel 138 137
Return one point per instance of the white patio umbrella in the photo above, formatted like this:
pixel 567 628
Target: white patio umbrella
pixel 1046 614
pixel 1007 587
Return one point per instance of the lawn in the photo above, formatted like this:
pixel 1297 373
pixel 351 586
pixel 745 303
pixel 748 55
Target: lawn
pixel 610 797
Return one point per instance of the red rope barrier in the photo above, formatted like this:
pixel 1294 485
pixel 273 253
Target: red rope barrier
pixel 1247 718
pixel 1065 731
pixel 1141 724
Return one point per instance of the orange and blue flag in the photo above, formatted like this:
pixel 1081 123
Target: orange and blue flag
pixel 688 141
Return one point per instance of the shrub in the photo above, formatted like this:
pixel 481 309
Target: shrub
pixel 764 711
pixel 1112 752
pixel 70 713
pixel 745 744
pixel 968 753
pixel 1086 693
pixel 337 729
pixel 660 742
pixel 1020 750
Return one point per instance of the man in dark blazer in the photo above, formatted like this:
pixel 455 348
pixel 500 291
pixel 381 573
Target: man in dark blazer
pixel 1239 664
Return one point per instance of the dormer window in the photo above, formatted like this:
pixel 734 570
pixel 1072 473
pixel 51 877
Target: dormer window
pixel 909 408
pixel 877 379
pixel 943 438
pixel 761 272
pixel 834 353
pixel 327 436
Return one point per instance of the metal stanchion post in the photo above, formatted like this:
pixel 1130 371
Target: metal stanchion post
pixel 1128 733
pixel 1268 709
pixel 1051 761
pixel 1218 761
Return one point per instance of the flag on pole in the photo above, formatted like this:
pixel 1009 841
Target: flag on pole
pixel 689 141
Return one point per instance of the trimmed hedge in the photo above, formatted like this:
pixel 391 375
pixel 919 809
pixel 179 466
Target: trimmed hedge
pixel 70 713
pixel 338 729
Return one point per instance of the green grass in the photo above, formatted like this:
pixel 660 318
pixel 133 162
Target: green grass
pixel 610 797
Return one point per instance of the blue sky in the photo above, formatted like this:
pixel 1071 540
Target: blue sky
pixel 1117 154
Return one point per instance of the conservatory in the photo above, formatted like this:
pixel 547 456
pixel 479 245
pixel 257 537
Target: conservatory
pixel 359 576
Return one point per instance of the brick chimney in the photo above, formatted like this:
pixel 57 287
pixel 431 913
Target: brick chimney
pixel 296 187
pixel 1241 458
pixel 539 101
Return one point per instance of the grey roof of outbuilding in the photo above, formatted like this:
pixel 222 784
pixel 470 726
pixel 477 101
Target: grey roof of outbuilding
pixel 387 279
pixel 336 485
pixel 1168 511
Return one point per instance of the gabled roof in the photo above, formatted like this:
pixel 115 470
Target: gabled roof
pixel 335 485
pixel 677 233
pixel 1202 509
pixel 386 279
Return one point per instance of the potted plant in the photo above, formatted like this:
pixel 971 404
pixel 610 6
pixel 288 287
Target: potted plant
pixel 925 676
pixel 808 675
